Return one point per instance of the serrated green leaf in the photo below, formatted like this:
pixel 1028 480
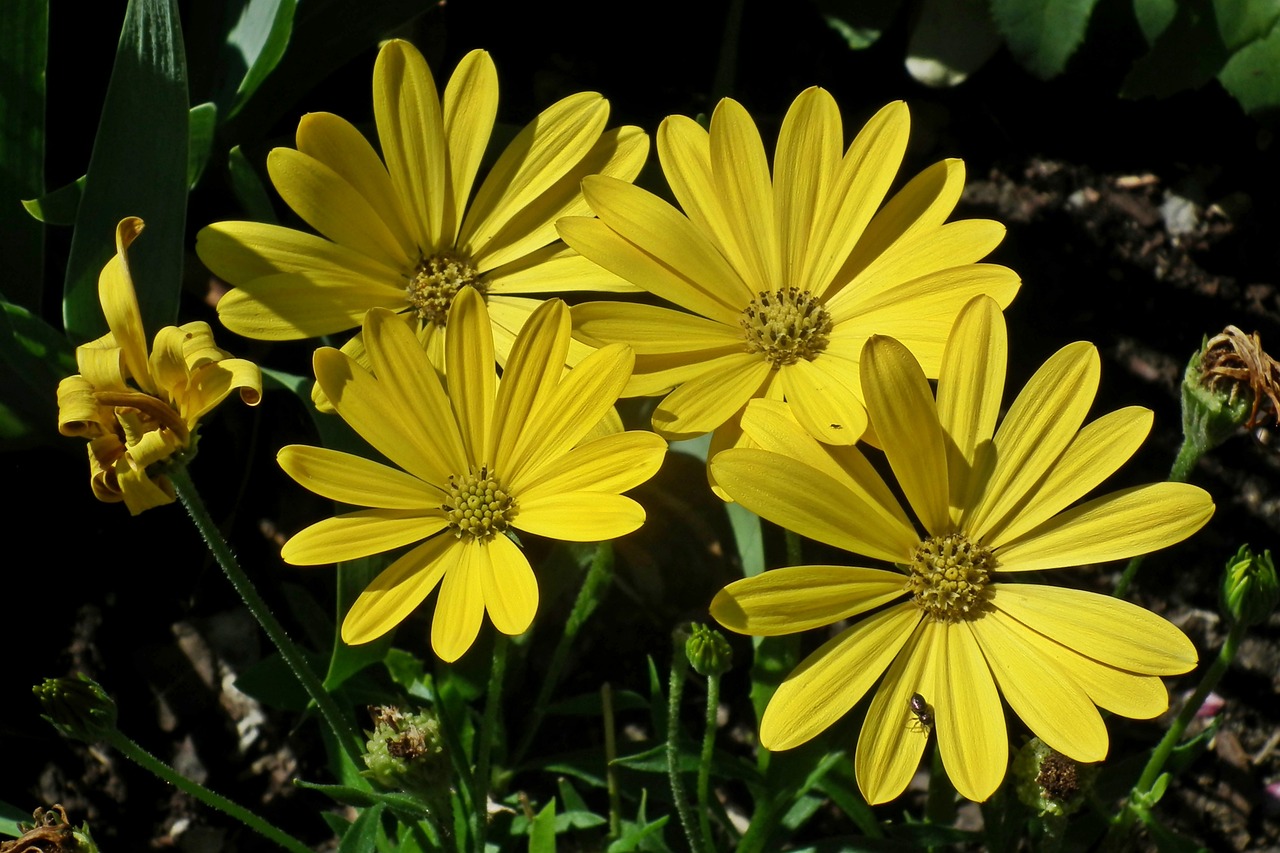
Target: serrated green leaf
pixel 58 207
pixel 202 122
pixel 542 835
pixel 138 168
pixel 1252 75
pixel 362 836
pixel 1185 55
pixel 248 188
pixel 24 46
pixel 951 40
pixel 259 38
pixel 1042 34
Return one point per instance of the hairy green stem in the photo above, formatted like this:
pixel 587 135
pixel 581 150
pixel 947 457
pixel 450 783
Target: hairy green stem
pixel 214 801
pixel 704 762
pixel 679 666
pixel 1188 455
pixel 610 753
pixel 488 731
pixel 343 733
pixel 597 578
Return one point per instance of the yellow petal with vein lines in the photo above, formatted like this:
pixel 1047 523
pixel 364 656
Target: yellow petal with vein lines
pixel 534 367
pixel 586 516
pixel 740 172
pixel 406 108
pixel 825 396
pixel 470 373
pixel 120 305
pixel 804 168
pixel 460 607
pixel 470 105
pixel 611 463
pixel 921 253
pixel 399 589
pixel 359 534
pixel 1113 527
pixel 355 480
pixel 553 269
pixel 833 678
pixel 1106 629
pixel 508 585
pixel 801 598
pixel 972 737
pixel 649 329
pixel 291 306
pixel 703 403
pixel 239 252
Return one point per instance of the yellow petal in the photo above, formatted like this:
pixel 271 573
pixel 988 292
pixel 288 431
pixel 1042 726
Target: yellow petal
pixel 460 607
pixel 1106 629
pixel 804 168
pixel 830 681
pixel 359 534
pixel 355 480
pixel 825 395
pixel 649 329
pixel 540 155
pixel 292 306
pixel 335 208
pixel 1113 527
pixel 406 108
pixel 1093 455
pixel 212 383
pixel 1042 693
pixel 611 463
pixel 970 387
pixel 740 172
pixel 120 305
pixel 922 253
pixel 812 504
pixel 469 371
pixel 508 585
pixel 972 738
pixel 684 149
pixel 579 516
pixel 900 403
pixel 336 143
pixel 553 269
pixel 239 252
pixel 1039 426
pixel 893 738
pixel 533 369
pixel 399 589
pixel 470 105
pixel 801 598
pixel 703 403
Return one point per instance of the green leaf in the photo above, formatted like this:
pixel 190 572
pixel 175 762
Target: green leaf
pixel 859 22
pixel 344 660
pixel 1241 22
pixel 402 805
pixel 260 38
pixel 248 188
pixel 542 835
pixel 58 207
pixel 202 122
pixel 362 836
pixel 1153 16
pixel 138 168
pixel 1251 75
pixel 1042 34
pixel 34 358
pixel 950 40
pixel 24 45
pixel 748 537
pixel 640 834
pixel 10 817
pixel 1186 54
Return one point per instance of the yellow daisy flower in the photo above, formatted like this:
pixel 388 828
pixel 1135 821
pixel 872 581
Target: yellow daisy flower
pixel 138 409
pixel 782 277
pixel 961 628
pixel 479 458
pixel 402 235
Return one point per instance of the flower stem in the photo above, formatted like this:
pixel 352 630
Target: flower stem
pixel 342 731
pixel 1122 822
pixel 704 762
pixel 488 731
pixel 149 762
pixel 610 753
pixel 596 579
pixel 679 666
pixel 1188 455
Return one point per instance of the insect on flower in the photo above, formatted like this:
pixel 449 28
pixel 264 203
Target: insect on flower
pixel 922 712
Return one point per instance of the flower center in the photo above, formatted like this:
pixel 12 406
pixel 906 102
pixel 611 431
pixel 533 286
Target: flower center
pixel 786 325
pixel 436 280
pixel 479 505
pixel 949 576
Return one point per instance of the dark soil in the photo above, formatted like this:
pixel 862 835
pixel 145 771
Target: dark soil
pixel 1142 226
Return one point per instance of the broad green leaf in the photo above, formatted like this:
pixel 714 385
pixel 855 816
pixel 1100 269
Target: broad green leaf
pixel 859 22
pixel 1042 34
pixel 202 123
pixel 259 38
pixel 1153 16
pixel 58 207
pixel 23 45
pixel 1186 54
pixel 34 357
pixel 10 817
pixel 542 835
pixel 1252 76
pixel 248 188
pixel 748 537
pixel 1241 22
pixel 138 168
pixel 951 40
pixel 345 661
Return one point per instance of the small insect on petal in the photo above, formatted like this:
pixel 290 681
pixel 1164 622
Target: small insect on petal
pixel 922 712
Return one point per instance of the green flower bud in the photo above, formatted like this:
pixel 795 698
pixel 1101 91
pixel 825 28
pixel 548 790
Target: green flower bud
pixel 1049 783
pixel 1215 401
pixel 708 651
pixel 78 708
pixel 1249 587
pixel 405 752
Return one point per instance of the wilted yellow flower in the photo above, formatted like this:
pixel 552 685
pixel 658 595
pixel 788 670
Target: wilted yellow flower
pixel 952 623
pixel 479 458
pixel 782 277
pixel 403 236
pixel 137 409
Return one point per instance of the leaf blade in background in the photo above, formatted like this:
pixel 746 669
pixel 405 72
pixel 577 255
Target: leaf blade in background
pixel 202 123
pixel 24 45
pixel 260 38
pixel 1185 54
pixel 859 22
pixel 951 40
pixel 138 168
pixel 1252 75
pixel 1042 34
pixel 34 357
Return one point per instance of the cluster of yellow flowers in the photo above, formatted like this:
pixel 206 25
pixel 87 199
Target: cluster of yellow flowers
pixel 811 312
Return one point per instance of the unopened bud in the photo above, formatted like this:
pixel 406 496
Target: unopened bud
pixel 77 707
pixel 708 651
pixel 1250 589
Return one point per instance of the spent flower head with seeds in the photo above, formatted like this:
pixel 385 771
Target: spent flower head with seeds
pixel 478 459
pixel 407 235
pixel 780 276
pixel 140 409
pixel 959 629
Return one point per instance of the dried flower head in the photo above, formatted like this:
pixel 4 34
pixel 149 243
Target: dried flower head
pixel 1233 360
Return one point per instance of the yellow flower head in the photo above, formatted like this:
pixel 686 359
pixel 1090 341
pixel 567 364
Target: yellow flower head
pixel 953 623
pixel 783 276
pixel 402 236
pixel 479 458
pixel 139 409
